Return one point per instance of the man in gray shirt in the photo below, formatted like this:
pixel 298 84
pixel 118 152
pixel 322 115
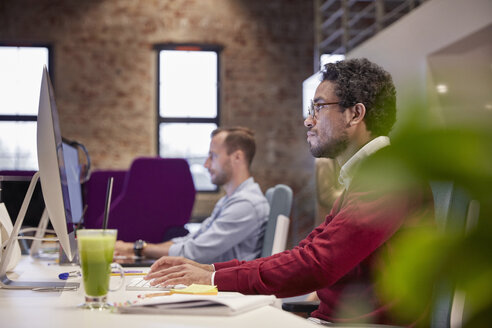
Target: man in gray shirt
pixel 237 224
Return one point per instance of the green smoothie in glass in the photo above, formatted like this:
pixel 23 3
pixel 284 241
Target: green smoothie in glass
pixel 96 254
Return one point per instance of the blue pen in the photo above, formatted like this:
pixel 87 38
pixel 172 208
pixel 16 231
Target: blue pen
pixel 66 275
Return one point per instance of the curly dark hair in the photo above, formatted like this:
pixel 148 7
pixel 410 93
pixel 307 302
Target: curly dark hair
pixel 361 81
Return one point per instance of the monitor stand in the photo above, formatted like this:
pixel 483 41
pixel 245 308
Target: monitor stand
pixel 40 231
pixel 35 250
pixel 5 281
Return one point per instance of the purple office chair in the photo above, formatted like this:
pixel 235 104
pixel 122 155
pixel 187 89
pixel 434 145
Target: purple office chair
pixel 95 194
pixel 156 200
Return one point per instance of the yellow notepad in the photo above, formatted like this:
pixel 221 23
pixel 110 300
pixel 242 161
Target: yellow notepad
pixel 196 289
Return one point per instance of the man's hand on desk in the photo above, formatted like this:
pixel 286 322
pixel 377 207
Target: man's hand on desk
pixel 122 248
pixel 179 270
pixel 166 262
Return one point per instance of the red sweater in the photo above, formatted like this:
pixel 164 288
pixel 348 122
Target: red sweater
pixel 337 259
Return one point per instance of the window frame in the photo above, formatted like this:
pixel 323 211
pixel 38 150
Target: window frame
pixel 160 119
pixel 29 118
pixel 23 117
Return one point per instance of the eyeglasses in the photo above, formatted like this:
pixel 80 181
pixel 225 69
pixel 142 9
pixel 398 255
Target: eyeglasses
pixel 314 108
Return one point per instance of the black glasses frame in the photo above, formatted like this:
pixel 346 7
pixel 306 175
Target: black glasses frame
pixel 314 108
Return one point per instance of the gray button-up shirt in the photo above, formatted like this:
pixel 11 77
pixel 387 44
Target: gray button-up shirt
pixel 234 230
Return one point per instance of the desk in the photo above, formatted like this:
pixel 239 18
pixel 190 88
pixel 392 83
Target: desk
pixel 26 308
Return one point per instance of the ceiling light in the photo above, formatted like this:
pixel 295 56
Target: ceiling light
pixel 442 88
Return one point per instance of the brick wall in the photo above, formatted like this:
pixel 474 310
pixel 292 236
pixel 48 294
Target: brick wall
pixel 105 72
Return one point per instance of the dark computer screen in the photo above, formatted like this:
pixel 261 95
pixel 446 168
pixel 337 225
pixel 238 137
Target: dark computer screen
pixel 13 188
pixel 14 184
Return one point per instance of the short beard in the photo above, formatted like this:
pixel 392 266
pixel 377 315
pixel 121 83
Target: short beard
pixel 331 149
pixel 220 179
pixel 224 175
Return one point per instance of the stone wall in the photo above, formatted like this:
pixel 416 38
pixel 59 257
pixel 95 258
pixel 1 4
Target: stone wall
pixel 105 77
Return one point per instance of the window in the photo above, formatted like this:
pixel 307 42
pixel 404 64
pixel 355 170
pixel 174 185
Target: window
pixel 188 105
pixel 311 83
pixel 21 69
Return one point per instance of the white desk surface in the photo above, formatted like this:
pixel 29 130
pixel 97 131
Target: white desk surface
pixel 26 308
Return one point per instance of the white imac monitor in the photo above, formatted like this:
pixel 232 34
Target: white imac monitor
pixel 54 185
pixel 72 167
pixel 52 170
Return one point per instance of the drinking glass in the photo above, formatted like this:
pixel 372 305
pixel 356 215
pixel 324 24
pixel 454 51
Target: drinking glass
pixel 96 247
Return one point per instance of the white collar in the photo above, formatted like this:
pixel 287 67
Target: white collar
pixel 348 169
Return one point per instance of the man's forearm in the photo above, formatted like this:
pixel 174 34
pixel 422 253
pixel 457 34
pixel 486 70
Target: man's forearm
pixel 157 250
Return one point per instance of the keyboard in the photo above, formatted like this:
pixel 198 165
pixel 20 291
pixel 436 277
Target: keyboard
pixel 141 284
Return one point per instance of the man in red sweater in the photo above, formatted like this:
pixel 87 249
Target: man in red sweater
pixel 353 110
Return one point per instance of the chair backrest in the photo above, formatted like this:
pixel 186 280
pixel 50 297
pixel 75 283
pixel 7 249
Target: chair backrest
pixel 452 210
pixel 450 206
pixel 94 191
pixel 158 195
pixel 281 233
pixel 280 199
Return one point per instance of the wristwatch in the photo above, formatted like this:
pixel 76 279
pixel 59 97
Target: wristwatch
pixel 138 247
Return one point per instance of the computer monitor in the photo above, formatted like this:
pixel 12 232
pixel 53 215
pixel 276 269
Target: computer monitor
pixel 52 169
pixel 72 165
pixel 13 188
pixel 54 184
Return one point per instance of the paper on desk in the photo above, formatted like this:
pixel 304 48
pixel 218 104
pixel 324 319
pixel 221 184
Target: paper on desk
pixel 197 289
pixel 223 304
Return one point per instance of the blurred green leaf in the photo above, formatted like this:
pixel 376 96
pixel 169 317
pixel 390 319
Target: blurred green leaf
pixel 423 257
